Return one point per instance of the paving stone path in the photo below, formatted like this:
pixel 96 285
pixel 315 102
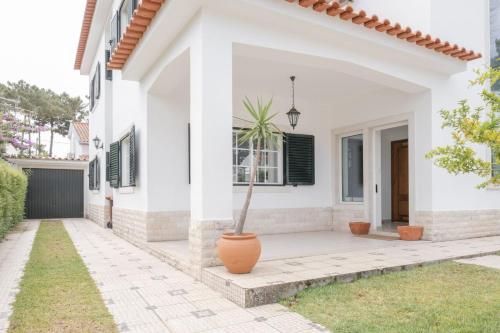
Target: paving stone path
pixel 145 294
pixel 486 261
pixel 15 250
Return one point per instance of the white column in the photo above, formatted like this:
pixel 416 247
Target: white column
pixel 211 142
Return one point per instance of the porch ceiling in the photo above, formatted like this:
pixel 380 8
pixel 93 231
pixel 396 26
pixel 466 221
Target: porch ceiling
pixel 326 77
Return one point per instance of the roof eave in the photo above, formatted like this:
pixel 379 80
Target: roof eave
pixel 90 36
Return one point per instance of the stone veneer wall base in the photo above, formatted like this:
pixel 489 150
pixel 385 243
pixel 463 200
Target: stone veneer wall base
pixel 287 220
pixel 342 217
pixel 203 236
pixel 451 225
pixel 98 214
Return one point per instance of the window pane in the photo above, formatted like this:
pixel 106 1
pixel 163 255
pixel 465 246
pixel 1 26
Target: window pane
pixel 271 145
pixel 243 145
pixel 352 168
pixel 244 157
pixel 243 175
pixel 272 159
pixel 272 175
pixel 261 175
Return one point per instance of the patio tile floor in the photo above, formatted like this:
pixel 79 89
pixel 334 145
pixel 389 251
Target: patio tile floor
pixel 274 279
pixel 147 295
pixel 15 250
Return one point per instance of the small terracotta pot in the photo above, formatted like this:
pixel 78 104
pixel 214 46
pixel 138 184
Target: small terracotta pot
pixel 410 233
pixel 360 228
pixel 239 253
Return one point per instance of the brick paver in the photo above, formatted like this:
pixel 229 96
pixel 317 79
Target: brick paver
pixel 145 294
pixel 15 250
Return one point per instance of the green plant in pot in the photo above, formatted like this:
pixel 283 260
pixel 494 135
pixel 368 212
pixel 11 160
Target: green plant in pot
pixel 240 251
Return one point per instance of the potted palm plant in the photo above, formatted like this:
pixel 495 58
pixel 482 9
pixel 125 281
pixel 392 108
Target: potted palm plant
pixel 240 251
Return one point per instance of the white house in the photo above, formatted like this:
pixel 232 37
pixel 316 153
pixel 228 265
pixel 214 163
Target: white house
pixel 78 135
pixel 168 79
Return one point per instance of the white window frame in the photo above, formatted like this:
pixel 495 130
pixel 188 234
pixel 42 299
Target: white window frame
pixel 341 166
pixel 279 167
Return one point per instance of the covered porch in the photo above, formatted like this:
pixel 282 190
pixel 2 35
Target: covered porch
pixel 203 175
pixel 355 99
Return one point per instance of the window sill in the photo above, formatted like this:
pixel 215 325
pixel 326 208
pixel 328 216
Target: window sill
pixel 95 191
pixel 352 205
pixel 126 190
pixel 262 189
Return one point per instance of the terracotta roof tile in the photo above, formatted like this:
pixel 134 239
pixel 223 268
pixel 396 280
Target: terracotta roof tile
pixel 84 33
pixel 82 129
pixel 147 9
pixel 48 158
pixel 335 9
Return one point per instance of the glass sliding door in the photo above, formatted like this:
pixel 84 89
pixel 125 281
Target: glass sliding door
pixel 352 168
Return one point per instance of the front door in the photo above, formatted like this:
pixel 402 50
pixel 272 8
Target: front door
pixel 400 183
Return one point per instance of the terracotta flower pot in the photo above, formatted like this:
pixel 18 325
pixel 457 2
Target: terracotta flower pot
pixel 410 233
pixel 239 253
pixel 360 228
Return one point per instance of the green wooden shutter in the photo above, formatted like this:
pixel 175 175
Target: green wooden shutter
pixel 91 176
pixel 114 164
pixel 107 167
pixel 299 159
pixel 133 157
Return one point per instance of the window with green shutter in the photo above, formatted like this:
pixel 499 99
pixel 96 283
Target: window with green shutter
pixel 114 164
pixel 107 167
pixel 94 175
pixel 91 176
pixel 299 159
pixel 127 158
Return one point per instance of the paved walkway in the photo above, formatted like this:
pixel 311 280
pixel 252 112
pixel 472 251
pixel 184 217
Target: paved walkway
pixel 15 250
pixel 146 295
pixel 486 261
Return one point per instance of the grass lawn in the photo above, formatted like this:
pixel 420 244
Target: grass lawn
pixel 57 293
pixel 449 297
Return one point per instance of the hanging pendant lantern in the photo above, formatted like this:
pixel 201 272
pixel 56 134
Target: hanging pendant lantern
pixel 293 114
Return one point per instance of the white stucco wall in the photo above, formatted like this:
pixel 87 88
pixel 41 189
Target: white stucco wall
pixel 411 81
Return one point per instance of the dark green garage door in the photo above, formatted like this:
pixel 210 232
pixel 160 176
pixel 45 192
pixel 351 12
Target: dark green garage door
pixel 54 193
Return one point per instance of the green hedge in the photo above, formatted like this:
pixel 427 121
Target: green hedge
pixel 13 186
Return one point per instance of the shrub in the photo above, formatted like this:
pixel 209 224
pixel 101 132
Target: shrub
pixel 13 187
